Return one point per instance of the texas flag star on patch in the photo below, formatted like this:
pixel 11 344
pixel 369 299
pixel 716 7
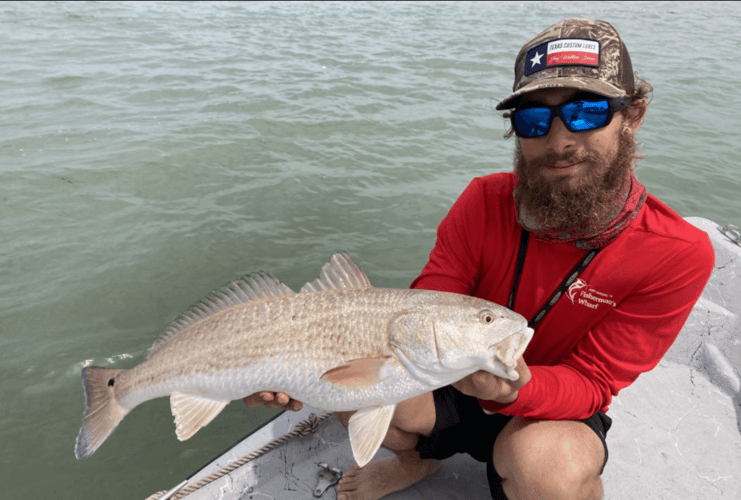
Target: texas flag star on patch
pixel 562 52
pixel 534 61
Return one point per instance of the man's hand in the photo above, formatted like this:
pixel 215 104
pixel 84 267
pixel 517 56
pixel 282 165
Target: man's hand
pixel 484 385
pixel 273 400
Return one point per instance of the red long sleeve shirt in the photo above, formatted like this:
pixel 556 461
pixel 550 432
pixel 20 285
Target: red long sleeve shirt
pixel 614 323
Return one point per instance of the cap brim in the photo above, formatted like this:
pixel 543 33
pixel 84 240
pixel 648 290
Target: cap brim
pixel 588 84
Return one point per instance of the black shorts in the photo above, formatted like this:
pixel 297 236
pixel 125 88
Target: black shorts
pixel 462 426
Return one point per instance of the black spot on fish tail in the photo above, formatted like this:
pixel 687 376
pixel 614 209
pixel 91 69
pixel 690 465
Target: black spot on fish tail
pixel 111 382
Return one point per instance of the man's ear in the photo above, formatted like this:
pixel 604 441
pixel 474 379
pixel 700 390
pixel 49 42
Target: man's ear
pixel 633 114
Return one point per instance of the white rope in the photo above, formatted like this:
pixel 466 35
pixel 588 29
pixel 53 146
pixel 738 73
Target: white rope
pixel 303 428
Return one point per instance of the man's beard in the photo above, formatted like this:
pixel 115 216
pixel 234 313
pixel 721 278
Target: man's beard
pixel 597 199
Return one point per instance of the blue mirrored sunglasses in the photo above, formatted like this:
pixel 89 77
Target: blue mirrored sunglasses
pixel 579 115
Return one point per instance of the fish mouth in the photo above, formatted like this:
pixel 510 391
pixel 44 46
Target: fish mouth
pixel 505 346
pixel 502 347
pixel 509 349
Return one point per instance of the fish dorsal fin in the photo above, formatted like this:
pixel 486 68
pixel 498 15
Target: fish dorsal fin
pixel 251 287
pixel 192 412
pixel 337 274
pixel 367 429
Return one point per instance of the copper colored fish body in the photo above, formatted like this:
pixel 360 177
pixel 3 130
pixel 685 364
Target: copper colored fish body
pixel 339 344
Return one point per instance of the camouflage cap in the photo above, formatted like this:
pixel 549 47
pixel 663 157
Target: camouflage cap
pixel 573 53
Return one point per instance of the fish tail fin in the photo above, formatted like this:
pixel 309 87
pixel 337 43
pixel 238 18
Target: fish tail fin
pixel 102 412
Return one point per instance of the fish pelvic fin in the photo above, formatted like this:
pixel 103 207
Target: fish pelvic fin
pixel 192 412
pixel 102 411
pixel 367 428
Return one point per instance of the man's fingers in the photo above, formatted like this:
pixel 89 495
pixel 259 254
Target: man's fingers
pixel 259 398
pixel 485 385
pixel 272 400
pixel 277 400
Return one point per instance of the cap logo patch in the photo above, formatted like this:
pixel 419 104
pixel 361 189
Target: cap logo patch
pixel 562 52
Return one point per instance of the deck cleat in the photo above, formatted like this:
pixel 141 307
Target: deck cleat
pixel 328 476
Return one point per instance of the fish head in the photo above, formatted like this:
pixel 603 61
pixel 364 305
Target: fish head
pixel 447 339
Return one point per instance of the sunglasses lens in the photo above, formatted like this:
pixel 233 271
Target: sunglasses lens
pixel 585 115
pixel 532 122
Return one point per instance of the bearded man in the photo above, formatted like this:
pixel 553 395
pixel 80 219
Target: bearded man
pixel 606 272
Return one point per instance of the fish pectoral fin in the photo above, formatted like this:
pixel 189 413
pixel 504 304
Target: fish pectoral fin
pixel 193 412
pixel 360 373
pixel 367 430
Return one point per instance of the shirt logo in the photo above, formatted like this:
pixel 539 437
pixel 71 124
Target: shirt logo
pixel 581 293
pixel 562 52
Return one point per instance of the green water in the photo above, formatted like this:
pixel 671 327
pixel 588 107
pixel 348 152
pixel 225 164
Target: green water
pixel 151 152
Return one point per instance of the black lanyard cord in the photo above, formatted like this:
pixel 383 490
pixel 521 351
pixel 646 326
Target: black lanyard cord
pixel 524 237
pixel 570 278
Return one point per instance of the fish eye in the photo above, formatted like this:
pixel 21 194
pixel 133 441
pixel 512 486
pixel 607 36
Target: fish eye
pixel 486 316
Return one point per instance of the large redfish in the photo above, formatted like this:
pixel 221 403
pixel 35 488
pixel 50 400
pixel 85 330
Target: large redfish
pixel 339 344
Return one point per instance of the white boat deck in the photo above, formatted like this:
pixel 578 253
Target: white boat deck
pixel 676 431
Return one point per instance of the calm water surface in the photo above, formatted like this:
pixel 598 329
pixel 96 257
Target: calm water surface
pixel 149 153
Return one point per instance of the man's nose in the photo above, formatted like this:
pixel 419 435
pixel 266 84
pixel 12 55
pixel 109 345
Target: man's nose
pixel 559 138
